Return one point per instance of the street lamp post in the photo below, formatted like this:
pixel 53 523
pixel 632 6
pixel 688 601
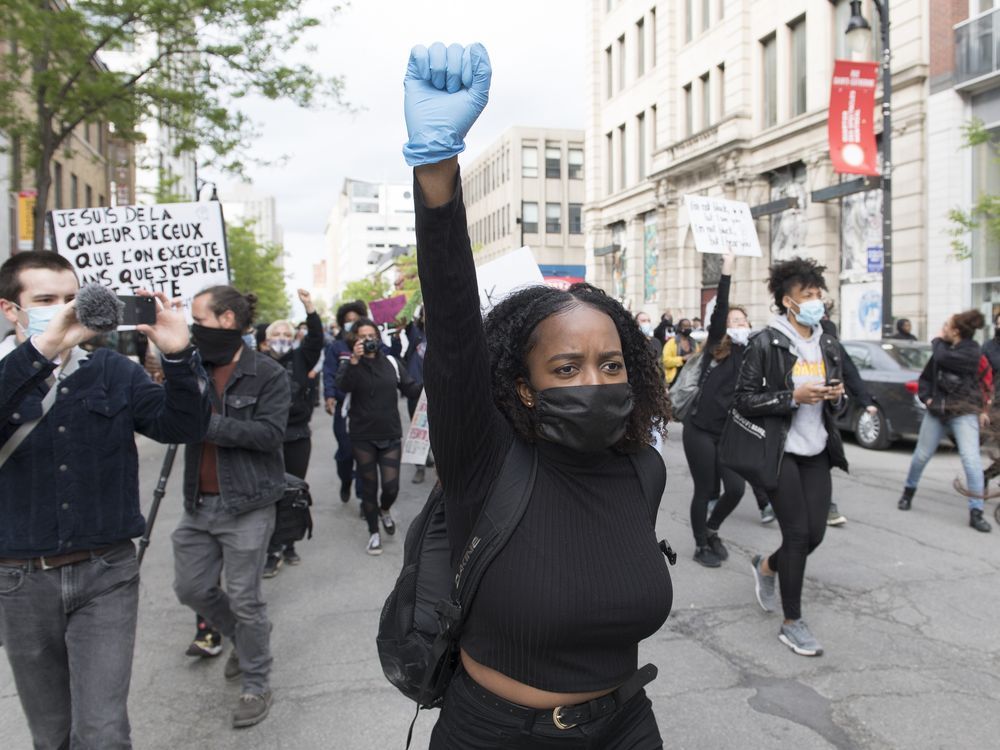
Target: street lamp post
pixel 858 37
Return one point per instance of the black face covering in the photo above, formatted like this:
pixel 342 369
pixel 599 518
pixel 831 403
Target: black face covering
pixel 217 346
pixel 685 331
pixel 587 418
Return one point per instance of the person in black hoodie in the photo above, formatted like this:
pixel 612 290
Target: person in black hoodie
pixel 298 362
pixel 371 378
pixel 950 388
pixel 904 330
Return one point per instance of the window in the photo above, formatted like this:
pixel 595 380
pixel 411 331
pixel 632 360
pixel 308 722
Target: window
pixel 529 161
pixel 529 217
pixel 621 62
pixel 609 151
pixel 608 74
pixel 100 201
pixel 652 126
pixel 798 98
pixel 640 135
pixel 688 111
pixel 720 85
pixel 74 191
pixel 770 87
pixel 640 47
pixel 57 179
pixel 706 102
pixel 652 37
pixel 688 20
pixel 553 218
pixel 88 192
pixel 553 161
pixel 706 14
pixel 622 158
pixel 574 164
pixel 576 218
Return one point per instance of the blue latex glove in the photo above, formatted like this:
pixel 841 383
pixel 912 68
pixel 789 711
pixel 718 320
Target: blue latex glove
pixel 446 89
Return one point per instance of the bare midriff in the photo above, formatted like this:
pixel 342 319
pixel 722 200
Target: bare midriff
pixel 518 692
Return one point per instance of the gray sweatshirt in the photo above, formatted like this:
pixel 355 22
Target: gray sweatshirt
pixel 807 435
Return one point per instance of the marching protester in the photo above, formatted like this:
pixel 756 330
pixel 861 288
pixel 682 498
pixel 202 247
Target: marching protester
pixel 728 334
pixel 904 330
pixel 336 351
pixel 570 373
pixel 950 387
pixel 371 379
pixel 793 371
pixel 679 349
pixel 298 362
pixel 232 481
pixel 646 326
pixel 69 499
pixel 664 328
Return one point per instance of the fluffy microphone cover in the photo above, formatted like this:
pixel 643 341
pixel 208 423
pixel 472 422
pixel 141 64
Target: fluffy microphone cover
pixel 98 308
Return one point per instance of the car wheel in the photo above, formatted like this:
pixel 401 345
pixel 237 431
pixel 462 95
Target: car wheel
pixel 871 430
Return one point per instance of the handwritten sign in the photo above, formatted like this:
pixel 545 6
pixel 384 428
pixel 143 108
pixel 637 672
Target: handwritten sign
pixel 174 248
pixel 418 439
pixel 498 278
pixel 722 226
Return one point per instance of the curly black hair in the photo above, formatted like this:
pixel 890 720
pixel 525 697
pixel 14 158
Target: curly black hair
pixel 510 334
pixel 357 306
pixel 802 272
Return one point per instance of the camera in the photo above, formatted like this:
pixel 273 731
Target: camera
pixel 371 346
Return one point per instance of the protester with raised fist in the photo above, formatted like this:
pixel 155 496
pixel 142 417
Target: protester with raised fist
pixel 570 373
pixel 69 498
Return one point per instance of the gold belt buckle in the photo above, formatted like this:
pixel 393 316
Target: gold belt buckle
pixel 559 722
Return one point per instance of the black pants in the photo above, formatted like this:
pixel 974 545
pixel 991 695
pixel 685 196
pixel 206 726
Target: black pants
pixel 345 454
pixel 801 504
pixel 297 454
pixel 467 723
pixel 377 460
pixel 701 448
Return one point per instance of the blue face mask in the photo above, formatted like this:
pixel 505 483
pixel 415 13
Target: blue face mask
pixel 250 340
pixel 39 318
pixel 810 312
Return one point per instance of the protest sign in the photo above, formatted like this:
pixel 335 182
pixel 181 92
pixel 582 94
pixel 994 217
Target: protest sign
pixel 722 226
pixel 498 278
pixel 387 310
pixel 418 440
pixel 175 248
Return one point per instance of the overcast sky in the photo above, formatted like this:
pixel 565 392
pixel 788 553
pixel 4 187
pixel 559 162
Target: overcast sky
pixel 537 48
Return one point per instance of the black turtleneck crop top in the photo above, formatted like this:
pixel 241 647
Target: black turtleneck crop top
pixel 582 580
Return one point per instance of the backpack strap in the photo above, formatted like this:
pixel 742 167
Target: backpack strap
pixel 395 366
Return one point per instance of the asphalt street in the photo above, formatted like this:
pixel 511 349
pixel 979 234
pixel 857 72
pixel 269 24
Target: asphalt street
pixel 906 605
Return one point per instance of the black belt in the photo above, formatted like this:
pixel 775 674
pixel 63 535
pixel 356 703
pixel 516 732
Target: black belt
pixel 566 717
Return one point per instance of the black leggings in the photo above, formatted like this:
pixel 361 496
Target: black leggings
pixel 702 451
pixel 377 459
pixel 801 504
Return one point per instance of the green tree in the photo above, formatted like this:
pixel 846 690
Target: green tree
pixel 256 267
pixel 367 290
pixel 985 211
pixel 201 59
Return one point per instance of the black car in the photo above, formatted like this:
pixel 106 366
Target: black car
pixel 890 370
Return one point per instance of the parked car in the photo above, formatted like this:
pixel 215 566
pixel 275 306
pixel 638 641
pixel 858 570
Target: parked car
pixel 890 369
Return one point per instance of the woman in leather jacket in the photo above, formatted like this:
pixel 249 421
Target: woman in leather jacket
pixel 793 370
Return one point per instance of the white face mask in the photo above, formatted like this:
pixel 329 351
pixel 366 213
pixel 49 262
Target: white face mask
pixel 700 335
pixel 279 347
pixel 39 318
pixel 647 329
pixel 739 336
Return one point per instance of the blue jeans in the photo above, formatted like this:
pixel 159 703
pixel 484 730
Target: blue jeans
pixel 965 431
pixel 69 635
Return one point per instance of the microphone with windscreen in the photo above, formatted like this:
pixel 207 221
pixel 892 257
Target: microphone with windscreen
pixel 98 308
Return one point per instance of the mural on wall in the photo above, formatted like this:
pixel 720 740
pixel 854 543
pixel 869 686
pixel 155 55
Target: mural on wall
pixel 651 254
pixel 788 228
pixel 861 236
pixel 861 311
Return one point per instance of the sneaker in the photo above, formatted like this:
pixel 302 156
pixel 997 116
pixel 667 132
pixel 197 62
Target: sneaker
pixel 375 544
pixel 251 709
pixel 387 523
pixel 232 670
pixel 706 556
pixel 834 516
pixel 797 637
pixel 717 546
pixel 764 587
pixel 345 492
pixel 290 556
pixel 206 643
pixel 767 514
pixel 977 521
pixel 272 565
pixel 418 475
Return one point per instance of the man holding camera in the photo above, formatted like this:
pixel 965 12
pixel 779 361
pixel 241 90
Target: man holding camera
pixel 69 499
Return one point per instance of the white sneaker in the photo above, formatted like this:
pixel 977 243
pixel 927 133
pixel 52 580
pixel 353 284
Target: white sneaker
pixel 375 544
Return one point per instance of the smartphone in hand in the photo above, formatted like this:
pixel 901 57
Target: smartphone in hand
pixel 138 311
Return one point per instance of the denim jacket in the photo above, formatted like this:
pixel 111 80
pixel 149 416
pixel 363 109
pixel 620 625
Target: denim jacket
pixel 74 483
pixel 248 427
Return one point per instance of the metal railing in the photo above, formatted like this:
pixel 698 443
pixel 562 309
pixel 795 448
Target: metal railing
pixel 977 46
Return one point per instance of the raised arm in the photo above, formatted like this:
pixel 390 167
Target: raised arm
pixel 720 315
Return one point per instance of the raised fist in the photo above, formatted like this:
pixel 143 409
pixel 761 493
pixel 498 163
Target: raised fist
pixel 446 88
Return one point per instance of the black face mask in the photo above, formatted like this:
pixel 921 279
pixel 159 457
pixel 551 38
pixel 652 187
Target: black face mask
pixel 685 331
pixel 217 346
pixel 587 418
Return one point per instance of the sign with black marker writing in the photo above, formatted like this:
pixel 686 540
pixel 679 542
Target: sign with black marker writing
pixel 174 248
pixel 722 226
pixel 508 273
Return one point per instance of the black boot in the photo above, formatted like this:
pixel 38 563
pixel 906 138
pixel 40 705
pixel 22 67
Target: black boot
pixel 977 521
pixel 907 499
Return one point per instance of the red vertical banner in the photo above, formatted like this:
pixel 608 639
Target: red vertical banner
pixel 851 126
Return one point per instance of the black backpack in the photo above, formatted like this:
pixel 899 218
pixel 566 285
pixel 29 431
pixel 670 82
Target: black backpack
pixel 293 519
pixel 422 617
